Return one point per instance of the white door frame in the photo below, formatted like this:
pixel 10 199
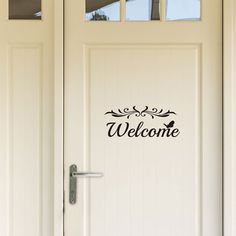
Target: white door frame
pixel 58 117
pixel 229 97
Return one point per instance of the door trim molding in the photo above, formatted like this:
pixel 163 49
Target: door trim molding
pixel 229 98
pixel 58 199
pixel 229 121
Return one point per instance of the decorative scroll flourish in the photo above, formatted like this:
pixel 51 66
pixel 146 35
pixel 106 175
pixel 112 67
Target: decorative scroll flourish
pixel 127 112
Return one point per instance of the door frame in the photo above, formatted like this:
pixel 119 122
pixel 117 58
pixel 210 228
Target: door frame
pixel 58 171
pixel 229 117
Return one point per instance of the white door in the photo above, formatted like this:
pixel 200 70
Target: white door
pixel 26 118
pixel 143 106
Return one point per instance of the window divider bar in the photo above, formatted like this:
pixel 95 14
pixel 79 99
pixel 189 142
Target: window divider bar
pixel 163 4
pixel 122 10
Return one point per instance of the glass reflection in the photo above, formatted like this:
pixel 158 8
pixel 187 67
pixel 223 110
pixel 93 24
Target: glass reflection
pixel 142 10
pixel 183 10
pixel 25 9
pixel 106 10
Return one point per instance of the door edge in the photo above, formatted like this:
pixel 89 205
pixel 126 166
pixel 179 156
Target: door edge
pixel 58 198
pixel 229 118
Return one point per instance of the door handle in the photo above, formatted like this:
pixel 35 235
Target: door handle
pixel 73 181
pixel 87 174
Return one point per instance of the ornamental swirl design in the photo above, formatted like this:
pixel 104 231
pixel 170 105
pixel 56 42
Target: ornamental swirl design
pixel 127 112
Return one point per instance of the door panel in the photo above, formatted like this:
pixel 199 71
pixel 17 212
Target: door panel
pixel 26 124
pixel 151 185
pixel 25 108
pixel 143 105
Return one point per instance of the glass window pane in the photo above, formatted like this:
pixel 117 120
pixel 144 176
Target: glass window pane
pixel 142 10
pixel 25 9
pixel 102 10
pixel 183 10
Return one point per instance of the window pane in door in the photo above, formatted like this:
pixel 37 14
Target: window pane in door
pixel 25 9
pixel 183 9
pixel 102 10
pixel 142 10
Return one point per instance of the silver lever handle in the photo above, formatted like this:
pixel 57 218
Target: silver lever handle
pixel 73 181
pixel 87 174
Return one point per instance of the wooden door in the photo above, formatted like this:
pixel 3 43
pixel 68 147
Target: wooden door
pixel 143 106
pixel 26 118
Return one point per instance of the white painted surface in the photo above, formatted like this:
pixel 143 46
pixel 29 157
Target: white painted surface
pixel 58 119
pixel 26 124
pixel 229 118
pixel 151 186
pixel 148 181
pixel 229 155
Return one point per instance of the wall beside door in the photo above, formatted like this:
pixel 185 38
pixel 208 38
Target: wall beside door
pixel 26 123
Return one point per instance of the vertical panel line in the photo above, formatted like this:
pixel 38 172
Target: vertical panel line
pixel 9 142
pixel 200 138
pixel 86 157
pixel 40 127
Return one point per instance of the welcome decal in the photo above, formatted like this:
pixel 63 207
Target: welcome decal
pixel 125 128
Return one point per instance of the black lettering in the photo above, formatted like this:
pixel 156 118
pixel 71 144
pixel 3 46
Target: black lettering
pixel 161 132
pixel 175 133
pixel 131 133
pixel 140 125
pixel 143 134
pixel 152 132
pixel 117 130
